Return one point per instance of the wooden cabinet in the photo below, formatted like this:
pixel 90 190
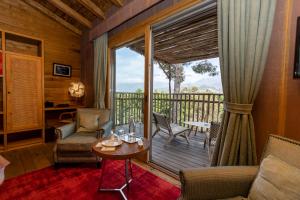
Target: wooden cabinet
pixel 22 91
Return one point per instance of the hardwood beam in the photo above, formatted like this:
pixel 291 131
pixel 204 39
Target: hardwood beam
pixel 72 13
pixel 53 16
pixel 91 6
pixel 118 3
pixel 128 11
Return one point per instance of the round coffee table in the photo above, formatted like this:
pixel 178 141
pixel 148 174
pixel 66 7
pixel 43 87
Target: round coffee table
pixel 126 152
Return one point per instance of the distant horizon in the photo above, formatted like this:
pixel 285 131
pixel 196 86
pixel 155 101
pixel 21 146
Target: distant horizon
pixel 130 74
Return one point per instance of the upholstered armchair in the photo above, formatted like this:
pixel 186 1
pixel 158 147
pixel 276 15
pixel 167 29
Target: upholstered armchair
pixel 229 182
pixel 75 140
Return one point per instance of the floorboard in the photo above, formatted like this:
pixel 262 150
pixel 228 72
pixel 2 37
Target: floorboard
pixel 177 154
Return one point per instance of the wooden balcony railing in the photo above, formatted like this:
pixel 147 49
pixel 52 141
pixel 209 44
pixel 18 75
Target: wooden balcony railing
pixel 178 107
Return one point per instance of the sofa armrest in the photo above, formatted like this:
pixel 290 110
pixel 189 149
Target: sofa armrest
pixel 216 182
pixel 105 129
pixel 65 130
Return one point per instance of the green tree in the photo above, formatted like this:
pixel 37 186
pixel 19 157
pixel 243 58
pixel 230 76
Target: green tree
pixel 204 67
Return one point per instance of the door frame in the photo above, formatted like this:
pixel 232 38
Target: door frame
pixel 143 29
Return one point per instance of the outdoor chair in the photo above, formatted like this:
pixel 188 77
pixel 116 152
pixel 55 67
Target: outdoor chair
pixel 211 134
pixel 162 124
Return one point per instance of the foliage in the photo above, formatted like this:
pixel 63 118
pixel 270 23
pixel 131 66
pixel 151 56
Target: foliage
pixel 204 67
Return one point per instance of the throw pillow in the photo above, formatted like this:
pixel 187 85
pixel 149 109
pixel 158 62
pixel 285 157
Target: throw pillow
pixel 276 179
pixel 88 122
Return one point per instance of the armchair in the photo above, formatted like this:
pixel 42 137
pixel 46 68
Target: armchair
pixel 229 182
pixel 74 140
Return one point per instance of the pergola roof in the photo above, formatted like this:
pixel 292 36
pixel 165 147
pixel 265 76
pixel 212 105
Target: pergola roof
pixel 194 38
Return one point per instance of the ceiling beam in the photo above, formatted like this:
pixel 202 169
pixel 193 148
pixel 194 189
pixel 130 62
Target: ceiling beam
pixel 53 16
pixel 91 6
pixel 128 11
pixel 118 3
pixel 72 13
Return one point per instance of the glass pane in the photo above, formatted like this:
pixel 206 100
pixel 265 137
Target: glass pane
pixel 129 94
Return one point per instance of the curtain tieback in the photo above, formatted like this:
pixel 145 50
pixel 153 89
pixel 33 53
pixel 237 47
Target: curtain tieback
pixel 238 108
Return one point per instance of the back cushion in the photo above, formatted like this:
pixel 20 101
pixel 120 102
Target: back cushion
pixel 88 120
pixel 276 179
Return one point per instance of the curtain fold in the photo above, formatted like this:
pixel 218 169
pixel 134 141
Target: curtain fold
pixel 100 70
pixel 245 29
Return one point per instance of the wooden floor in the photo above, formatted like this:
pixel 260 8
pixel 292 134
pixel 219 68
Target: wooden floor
pixel 40 156
pixel 178 154
pixel 28 159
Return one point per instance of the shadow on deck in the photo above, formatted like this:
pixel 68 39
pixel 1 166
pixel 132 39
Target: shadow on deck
pixel 177 154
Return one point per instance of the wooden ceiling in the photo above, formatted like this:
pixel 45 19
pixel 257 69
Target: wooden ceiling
pixel 76 15
pixel 191 39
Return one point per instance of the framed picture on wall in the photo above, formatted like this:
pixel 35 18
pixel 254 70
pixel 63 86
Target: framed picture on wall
pixel 62 70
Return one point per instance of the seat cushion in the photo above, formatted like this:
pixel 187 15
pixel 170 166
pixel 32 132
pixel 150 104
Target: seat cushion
pixel 77 142
pixel 276 179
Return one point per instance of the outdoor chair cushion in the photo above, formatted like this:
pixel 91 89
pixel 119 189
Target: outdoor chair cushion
pixel 77 142
pixel 276 179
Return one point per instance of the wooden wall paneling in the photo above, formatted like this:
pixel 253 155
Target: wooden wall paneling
pixel 61 45
pixel 284 71
pixel 292 129
pixel 87 69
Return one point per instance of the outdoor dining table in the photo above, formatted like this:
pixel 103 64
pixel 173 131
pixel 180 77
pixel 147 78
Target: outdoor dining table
pixel 197 125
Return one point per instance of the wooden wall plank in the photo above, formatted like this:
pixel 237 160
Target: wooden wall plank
pixel 60 44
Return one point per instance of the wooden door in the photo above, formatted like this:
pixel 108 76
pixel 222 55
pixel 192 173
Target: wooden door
pixel 24 92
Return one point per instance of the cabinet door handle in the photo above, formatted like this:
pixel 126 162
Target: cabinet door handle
pixel 8 92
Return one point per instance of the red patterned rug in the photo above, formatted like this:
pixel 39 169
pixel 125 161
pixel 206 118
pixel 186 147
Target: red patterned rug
pixel 82 182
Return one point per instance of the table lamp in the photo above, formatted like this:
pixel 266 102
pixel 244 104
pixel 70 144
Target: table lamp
pixel 76 90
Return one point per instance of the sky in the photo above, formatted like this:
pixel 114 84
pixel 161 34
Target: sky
pixel 130 74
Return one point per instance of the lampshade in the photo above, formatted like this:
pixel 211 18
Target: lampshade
pixel 76 89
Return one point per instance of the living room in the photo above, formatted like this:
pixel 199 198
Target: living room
pixel 66 131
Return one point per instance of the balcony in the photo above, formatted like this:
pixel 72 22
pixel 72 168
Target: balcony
pixel 179 108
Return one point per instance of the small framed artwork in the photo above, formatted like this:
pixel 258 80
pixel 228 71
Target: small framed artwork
pixel 62 70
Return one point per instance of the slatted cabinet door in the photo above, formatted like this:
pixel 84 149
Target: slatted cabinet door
pixel 24 93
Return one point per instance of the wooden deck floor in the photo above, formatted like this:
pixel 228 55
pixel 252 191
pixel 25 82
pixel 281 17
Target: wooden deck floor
pixel 178 154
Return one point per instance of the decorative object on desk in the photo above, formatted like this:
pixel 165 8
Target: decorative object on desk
pixel 62 105
pixel 62 70
pixel 49 104
pixel 3 164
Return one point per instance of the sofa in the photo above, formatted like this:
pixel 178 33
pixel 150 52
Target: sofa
pixel 74 141
pixel 236 182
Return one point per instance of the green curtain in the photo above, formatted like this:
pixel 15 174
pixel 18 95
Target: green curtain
pixel 100 70
pixel 245 28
